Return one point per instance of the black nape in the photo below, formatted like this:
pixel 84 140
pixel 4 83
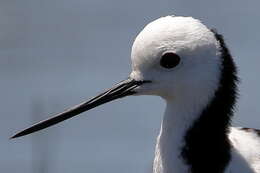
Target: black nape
pixel 207 148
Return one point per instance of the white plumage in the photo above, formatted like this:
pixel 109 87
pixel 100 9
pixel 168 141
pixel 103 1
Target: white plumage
pixel 246 144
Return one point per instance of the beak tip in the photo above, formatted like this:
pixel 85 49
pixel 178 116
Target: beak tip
pixel 12 137
pixel 15 136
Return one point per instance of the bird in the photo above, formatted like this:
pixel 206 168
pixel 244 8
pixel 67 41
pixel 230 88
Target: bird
pixel 189 65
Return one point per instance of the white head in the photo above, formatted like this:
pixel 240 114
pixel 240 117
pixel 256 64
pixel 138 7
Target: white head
pixel 195 73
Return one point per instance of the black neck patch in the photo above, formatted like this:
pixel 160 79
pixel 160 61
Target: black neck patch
pixel 207 148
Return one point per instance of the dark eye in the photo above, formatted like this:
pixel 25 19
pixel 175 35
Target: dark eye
pixel 170 60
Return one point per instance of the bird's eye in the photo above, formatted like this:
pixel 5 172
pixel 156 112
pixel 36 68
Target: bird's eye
pixel 170 60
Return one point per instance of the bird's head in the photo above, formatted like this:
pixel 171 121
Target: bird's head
pixel 179 55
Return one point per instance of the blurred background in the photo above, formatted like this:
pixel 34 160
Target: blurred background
pixel 56 53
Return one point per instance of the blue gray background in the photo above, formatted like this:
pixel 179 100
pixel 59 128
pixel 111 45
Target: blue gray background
pixel 57 53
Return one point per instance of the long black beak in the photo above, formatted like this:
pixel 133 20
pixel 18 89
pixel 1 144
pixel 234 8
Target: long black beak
pixel 120 90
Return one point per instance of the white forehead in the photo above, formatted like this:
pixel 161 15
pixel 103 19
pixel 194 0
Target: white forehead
pixel 183 35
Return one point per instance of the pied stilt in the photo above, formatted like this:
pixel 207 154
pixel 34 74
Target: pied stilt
pixel 190 67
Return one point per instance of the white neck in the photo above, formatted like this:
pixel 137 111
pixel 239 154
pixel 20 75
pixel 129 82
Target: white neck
pixel 176 121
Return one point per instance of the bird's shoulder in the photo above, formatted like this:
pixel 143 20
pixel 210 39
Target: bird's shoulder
pixel 245 144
